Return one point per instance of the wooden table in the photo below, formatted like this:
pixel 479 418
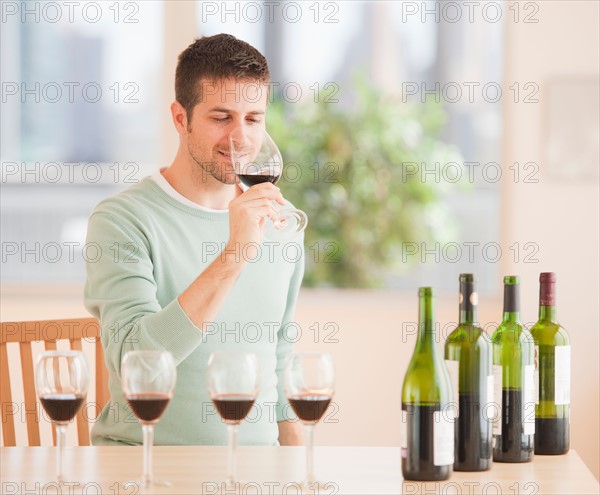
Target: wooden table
pixel 270 470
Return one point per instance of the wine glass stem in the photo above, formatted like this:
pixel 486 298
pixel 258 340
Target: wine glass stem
pixel 148 432
pixel 309 435
pixel 233 430
pixel 60 447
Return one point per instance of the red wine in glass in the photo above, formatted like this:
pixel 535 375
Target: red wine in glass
pixel 62 408
pixel 250 180
pixel 256 159
pixel 148 379
pixel 148 407
pixel 233 407
pixel 310 407
pixel 233 380
pixel 309 386
pixel 61 381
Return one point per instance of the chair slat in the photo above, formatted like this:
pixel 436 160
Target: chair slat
pixel 51 346
pixel 31 405
pixel 83 431
pixel 9 408
pixel 102 392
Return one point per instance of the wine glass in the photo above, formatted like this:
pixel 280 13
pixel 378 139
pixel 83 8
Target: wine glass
pixel 61 382
pixel 233 383
pixel 256 159
pixel 148 379
pixel 309 387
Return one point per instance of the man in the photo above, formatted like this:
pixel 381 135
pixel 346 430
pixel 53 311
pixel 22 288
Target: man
pixel 182 266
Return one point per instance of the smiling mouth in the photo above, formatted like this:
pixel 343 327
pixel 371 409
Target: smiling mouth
pixel 227 155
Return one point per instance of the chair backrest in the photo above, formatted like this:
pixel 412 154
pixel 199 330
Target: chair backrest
pixel 48 332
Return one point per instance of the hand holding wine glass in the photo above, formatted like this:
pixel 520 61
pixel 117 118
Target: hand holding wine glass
pixel 61 382
pixel 309 387
pixel 148 380
pixel 233 383
pixel 256 160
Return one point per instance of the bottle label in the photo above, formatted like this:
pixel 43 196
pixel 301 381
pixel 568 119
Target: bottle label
pixel 404 433
pixel 528 400
pixel 453 373
pixel 562 375
pixel 489 411
pixel 536 376
pixel 443 439
pixel 497 416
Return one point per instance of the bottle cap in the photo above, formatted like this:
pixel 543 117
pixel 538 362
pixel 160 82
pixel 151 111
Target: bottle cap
pixel 547 277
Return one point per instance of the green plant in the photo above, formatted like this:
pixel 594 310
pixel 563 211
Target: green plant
pixel 352 172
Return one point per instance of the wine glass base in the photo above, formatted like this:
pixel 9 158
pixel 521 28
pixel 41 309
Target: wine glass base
pixel 287 225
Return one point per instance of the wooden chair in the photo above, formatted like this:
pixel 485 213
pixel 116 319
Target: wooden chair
pixel 49 332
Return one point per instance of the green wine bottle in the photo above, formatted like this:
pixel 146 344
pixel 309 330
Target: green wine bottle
pixel 513 350
pixel 468 354
pixel 427 429
pixel 552 375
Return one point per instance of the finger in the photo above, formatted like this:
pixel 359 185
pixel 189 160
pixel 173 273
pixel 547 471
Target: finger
pixel 258 208
pixel 263 193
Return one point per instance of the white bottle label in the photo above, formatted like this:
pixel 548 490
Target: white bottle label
pixel 404 431
pixel 490 389
pixel 497 426
pixel 443 439
pixel 453 373
pixel 562 375
pixel 489 411
pixel 536 376
pixel 528 400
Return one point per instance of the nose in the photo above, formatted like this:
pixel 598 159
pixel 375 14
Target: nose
pixel 238 136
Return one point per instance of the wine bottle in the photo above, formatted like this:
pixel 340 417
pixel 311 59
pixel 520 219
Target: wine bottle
pixel 427 429
pixel 468 354
pixel 513 353
pixel 552 375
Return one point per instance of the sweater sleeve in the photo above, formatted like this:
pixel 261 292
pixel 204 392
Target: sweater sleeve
pixel 286 337
pixel 120 291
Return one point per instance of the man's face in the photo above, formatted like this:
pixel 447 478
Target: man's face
pixel 226 106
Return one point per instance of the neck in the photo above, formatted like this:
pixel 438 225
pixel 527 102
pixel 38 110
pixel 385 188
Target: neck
pixel 547 313
pixel 195 184
pixel 468 316
pixel 511 317
pixel 426 338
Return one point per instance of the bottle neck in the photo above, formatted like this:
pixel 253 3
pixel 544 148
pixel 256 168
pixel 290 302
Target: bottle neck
pixel 512 309
pixel 468 303
pixel 547 301
pixel 547 313
pixel 426 338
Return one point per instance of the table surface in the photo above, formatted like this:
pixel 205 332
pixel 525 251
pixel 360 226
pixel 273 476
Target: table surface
pixel 270 470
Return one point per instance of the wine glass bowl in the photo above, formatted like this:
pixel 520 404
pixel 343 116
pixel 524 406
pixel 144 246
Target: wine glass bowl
pixel 61 383
pixel 233 383
pixel 309 388
pixel 148 379
pixel 256 159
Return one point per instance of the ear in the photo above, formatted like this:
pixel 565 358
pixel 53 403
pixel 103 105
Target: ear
pixel 179 116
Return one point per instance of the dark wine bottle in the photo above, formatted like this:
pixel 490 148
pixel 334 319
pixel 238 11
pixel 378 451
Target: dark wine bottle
pixel 514 423
pixel 552 375
pixel 427 429
pixel 468 354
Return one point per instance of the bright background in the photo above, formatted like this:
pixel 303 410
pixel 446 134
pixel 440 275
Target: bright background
pixel 548 49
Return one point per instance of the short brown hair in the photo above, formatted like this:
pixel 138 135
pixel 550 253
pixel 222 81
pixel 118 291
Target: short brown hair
pixel 215 58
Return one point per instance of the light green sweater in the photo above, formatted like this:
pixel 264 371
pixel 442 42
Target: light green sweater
pixel 144 248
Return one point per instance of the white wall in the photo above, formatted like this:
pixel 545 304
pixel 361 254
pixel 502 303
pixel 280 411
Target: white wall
pixel 561 216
